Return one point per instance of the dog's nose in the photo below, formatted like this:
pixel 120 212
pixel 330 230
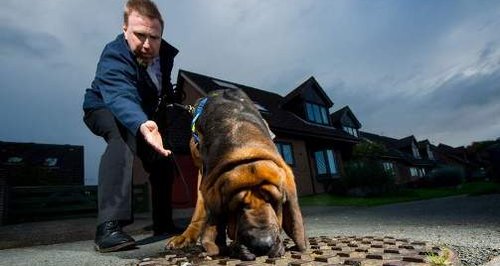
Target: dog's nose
pixel 262 245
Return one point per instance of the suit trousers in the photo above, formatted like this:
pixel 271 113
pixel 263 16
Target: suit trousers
pixel 115 173
pixel 114 190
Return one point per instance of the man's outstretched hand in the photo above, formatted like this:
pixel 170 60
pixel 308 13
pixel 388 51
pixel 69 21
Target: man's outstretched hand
pixel 149 130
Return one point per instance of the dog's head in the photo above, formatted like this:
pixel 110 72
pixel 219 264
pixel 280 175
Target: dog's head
pixel 255 225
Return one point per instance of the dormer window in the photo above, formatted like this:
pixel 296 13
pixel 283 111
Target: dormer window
pixel 429 153
pixel 351 131
pixel 414 148
pixel 316 113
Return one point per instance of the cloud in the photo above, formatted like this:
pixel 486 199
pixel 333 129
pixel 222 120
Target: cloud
pixel 456 111
pixel 27 43
pixel 404 67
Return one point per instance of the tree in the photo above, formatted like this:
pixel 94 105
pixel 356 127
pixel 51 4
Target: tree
pixel 368 149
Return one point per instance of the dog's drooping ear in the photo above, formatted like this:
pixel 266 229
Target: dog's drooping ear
pixel 293 225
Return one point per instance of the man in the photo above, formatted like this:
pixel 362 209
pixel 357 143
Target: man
pixel 132 78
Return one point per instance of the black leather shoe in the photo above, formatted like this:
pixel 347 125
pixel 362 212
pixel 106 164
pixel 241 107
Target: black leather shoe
pixel 109 237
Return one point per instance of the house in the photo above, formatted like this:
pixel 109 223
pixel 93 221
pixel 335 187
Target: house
pixel 403 157
pixel 33 164
pixel 42 180
pixel 344 119
pixel 305 135
pixel 457 157
pixel 425 150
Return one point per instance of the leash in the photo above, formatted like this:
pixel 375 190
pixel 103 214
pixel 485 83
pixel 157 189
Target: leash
pixel 195 112
pixel 186 107
pixel 190 110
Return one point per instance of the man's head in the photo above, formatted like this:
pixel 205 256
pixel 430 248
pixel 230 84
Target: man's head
pixel 142 27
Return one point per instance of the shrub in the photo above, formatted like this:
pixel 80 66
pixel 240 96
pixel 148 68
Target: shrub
pixel 445 175
pixel 367 178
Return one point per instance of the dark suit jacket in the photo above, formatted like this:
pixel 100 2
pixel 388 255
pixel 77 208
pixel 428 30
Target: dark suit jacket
pixel 125 88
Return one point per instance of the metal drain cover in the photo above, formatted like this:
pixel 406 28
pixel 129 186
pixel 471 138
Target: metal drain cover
pixel 323 250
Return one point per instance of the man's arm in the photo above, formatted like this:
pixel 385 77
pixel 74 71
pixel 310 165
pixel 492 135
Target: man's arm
pixel 117 81
pixel 149 130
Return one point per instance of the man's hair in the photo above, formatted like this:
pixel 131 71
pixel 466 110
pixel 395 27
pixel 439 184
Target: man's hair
pixel 145 8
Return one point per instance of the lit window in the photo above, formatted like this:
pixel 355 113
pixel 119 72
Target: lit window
pixel 325 162
pixel 316 113
pixel 285 149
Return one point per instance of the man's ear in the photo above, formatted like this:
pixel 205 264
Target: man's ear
pixel 124 27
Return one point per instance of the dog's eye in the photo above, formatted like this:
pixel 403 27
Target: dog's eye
pixel 271 193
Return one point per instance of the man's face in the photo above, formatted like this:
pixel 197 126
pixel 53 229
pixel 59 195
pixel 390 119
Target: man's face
pixel 143 36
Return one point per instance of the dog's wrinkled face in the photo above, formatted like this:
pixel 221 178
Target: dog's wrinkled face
pixel 256 230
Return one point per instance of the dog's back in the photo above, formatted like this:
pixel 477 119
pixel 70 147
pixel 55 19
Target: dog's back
pixel 230 122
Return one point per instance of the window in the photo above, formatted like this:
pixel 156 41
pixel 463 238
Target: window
pixel 413 171
pixel 285 149
pixel 420 172
pixel 416 154
pixel 389 167
pixel 325 162
pixel 50 162
pixel 429 153
pixel 316 113
pixel 14 160
pixel 351 131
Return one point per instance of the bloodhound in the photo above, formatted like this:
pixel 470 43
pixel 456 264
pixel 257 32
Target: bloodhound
pixel 245 188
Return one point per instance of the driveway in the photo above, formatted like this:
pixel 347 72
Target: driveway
pixel 469 224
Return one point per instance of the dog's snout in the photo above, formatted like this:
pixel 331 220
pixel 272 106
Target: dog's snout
pixel 263 244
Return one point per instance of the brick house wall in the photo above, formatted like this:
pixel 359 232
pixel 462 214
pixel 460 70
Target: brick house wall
pixel 301 169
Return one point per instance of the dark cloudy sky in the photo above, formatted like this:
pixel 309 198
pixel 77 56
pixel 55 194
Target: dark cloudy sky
pixel 427 68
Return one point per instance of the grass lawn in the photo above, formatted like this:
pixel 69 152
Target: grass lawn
pixel 476 188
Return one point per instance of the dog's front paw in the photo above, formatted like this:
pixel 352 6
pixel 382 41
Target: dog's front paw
pixel 211 248
pixel 298 248
pixel 180 241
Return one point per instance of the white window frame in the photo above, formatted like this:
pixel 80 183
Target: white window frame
pixel 389 167
pixel 317 113
pixel 330 161
pixel 351 131
pixel 280 145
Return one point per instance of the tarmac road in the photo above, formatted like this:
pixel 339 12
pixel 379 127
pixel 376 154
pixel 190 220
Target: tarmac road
pixel 470 224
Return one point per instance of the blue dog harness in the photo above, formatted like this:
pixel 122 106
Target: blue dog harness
pixel 197 112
